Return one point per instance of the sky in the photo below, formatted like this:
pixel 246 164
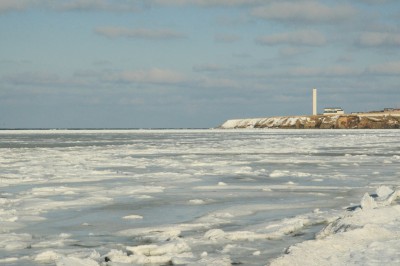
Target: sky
pixel 193 63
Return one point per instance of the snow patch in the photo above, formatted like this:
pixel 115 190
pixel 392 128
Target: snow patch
pixel 48 256
pixel 72 261
pixel 152 254
pixel 358 237
pixel 285 173
pixel 367 202
pixel 133 217
pixel 14 241
pixel 197 202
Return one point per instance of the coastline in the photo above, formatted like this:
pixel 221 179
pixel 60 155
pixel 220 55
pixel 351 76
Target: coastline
pixel 365 234
pixel 344 121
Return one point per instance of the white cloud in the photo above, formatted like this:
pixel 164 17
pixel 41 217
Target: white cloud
pixel 33 78
pixel 152 76
pixel 305 37
pixel 207 68
pixel 70 5
pixel 346 58
pixel 388 68
pixel 115 5
pixel 304 11
pixel 139 33
pixel 226 38
pixel 209 3
pixel 8 5
pixel 375 39
pixel 333 71
pixel 292 51
pixel 106 5
pixel 214 83
pixel 377 1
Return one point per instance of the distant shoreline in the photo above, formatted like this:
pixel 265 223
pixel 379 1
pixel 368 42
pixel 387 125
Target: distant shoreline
pixel 343 121
pixel 99 129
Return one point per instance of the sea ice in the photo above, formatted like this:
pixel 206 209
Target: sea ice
pixel 197 201
pixel 367 202
pixel 199 197
pixel 13 241
pixel 361 237
pixel 133 217
pixel 72 261
pixel 152 254
pixel 48 256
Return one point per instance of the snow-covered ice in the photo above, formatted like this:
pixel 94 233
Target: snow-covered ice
pixel 369 235
pixel 199 197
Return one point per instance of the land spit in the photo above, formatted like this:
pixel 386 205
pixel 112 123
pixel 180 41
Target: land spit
pixel 351 121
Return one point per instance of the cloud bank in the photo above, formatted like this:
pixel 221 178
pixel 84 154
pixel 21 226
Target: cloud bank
pixel 377 39
pixel 151 76
pixel 304 37
pixel 139 33
pixel 300 11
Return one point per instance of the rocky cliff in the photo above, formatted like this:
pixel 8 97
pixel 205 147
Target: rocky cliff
pixel 318 121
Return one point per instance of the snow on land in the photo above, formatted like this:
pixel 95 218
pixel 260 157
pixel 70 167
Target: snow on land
pixel 369 235
pixel 368 120
pixel 269 122
pixel 245 123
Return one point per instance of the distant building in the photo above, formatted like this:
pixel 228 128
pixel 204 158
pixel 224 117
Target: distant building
pixel 333 111
pixel 314 101
pixel 391 110
pixel 385 111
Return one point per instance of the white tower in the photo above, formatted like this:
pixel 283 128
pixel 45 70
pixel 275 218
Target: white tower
pixel 314 101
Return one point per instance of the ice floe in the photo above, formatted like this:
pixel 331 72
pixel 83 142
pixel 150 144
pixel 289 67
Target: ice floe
pixel 368 235
pixel 133 217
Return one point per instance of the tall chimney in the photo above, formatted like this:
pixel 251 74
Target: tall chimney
pixel 314 101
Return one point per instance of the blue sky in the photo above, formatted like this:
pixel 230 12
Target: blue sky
pixel 193 63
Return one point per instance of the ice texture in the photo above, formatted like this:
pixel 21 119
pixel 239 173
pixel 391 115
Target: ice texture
pixel 199 197
pixel 367 236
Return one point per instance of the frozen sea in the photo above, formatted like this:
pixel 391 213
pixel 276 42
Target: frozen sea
pixel 180 197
